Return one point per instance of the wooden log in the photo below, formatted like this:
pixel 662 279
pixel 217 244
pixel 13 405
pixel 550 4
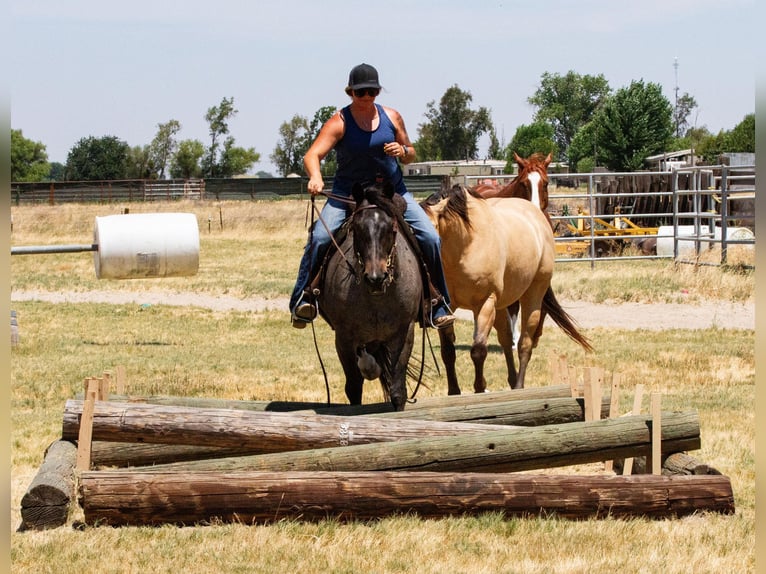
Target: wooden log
pixel 47 501
pixel 127 498
pixel 500 450
pixel 261 432
pixel 548 392
pixel 531 412
pixel 528 412
pixel 124 454
pixel 679 463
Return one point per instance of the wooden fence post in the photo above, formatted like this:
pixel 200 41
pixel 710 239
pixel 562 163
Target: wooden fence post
pixel 637 398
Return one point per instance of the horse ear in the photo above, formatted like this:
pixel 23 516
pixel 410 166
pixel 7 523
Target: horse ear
pixel 357 192
pixel 519 160
pixel 548 158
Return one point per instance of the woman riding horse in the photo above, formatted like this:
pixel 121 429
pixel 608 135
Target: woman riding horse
pixel 370 141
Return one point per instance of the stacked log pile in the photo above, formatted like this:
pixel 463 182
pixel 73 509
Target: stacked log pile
pixel 179 460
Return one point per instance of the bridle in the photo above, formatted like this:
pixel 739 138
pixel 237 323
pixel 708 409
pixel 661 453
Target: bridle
pixel 390 257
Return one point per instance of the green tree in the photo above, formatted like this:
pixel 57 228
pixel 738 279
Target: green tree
pixel 101 158
pixel 567 103
pixel 139 163
pixel 58 171
pixel 223 158
pixel 681 112
pixel 454 127
pixel 29 160
pixel 691 140
pixel 163 146
pixel 582 149
pixel 289 151
pixel 528 139
pixel 742 137
pixel 186 161
pixel 236 160
pixel 495 149
pixel 425 146
pixel 634 123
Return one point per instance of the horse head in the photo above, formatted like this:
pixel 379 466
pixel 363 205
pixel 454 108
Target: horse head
pixel 532 180
pixel 373 226
pixel 449 204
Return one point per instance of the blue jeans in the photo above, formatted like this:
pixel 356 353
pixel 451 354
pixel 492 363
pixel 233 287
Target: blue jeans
pixel 333 215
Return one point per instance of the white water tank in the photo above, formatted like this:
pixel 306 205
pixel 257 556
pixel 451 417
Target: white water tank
pixel 687 248
pixel 143 245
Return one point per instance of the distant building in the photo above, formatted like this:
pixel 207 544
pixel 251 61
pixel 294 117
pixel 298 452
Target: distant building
pixel 458 170
pixel 671 160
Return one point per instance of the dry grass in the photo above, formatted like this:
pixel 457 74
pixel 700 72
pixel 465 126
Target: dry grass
pixel 194 351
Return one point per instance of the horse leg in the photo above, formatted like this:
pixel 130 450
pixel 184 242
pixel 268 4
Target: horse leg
pixel 513 317
pixel 531 329
pixel 483 321
pixel 354 379
pixel 504 328
pixel 447 343
pixel 395 382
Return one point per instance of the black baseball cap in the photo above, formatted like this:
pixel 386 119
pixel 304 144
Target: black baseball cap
pixel 363 76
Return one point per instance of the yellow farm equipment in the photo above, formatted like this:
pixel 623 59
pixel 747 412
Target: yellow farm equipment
pixel 620 230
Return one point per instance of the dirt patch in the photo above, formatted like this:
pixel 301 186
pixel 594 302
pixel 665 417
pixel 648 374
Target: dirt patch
pixel 653 316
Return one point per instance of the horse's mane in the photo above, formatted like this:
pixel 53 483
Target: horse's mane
pixel 457 203
pixel 394 206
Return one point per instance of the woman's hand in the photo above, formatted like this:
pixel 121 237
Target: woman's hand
pixel 315 185
pixel 394 149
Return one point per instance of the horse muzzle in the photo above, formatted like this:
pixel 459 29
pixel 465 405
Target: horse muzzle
pixel 377 282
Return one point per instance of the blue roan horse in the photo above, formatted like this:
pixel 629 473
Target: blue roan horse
pixel 371 295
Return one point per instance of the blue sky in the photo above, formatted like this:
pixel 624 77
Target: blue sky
pixel 93 68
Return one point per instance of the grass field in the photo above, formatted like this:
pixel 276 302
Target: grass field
pixel 251 249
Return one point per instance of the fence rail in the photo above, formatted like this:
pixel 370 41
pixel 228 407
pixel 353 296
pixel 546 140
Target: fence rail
pixel 696 209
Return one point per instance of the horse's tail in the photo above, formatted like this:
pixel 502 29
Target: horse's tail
pixel 564 320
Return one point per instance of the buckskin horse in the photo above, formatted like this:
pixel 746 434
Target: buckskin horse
pixel 372 293
pixel 531 183
pixel 496 252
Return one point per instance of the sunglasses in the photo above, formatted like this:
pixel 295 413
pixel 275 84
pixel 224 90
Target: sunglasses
pixel 366 92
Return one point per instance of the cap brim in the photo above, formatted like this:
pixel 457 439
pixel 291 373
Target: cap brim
pixel 365 85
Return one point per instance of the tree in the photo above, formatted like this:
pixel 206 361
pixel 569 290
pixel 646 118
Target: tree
pixel 634 123
pixel 536 137
pixel 683 108
pixel 742 137
pixel 582 149
pixel 163 146
pixel 58 171
pixel 453 127
pixel 236 160
pixel 185 163
pixel 289 151
pixel 691 140
pixel 139 163
pixel 223 158
pixel 495 149
pixel 425 145
pixel 567 103
pixel 29 160
pixel 101 158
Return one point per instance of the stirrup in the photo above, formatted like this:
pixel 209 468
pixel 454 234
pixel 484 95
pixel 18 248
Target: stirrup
pixel 304 311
